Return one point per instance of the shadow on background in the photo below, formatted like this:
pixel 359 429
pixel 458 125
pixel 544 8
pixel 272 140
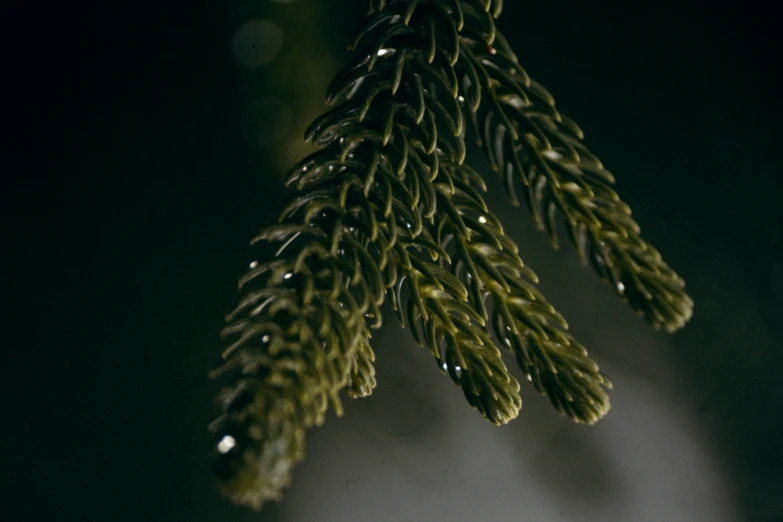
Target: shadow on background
pixel 146 183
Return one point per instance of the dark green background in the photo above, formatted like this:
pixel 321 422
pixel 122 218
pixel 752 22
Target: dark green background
pixel 141 194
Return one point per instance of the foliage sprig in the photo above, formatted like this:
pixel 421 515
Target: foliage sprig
pixel 388 210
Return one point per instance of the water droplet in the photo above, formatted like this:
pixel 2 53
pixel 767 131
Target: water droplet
pixel 482 219
pixel 461 98
pixel 620 287
pixel 516 102
pixel 289 275
pixel 226 444
pixel 256 43
pixel 384 52
pixel 552 154
pixel 253 264
pixel 265 338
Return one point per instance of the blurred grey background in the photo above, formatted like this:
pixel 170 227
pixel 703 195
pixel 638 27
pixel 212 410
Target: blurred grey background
pixel 155 140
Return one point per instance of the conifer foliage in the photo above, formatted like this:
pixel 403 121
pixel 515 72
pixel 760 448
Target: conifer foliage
pixel 387 210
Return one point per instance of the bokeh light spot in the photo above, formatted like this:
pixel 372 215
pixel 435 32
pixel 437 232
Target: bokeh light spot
pixel 256 43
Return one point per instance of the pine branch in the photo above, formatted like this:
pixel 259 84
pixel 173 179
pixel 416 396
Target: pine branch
pixel 487 262
pixel 387 207
pixel 525 138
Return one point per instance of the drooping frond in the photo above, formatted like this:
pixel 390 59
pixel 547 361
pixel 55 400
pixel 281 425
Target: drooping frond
pixel 388 210
pixel 527 140
pixel 488 263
